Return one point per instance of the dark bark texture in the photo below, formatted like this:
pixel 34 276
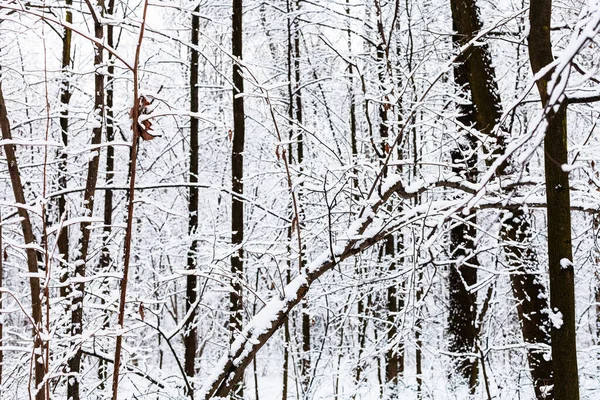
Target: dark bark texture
pixel 190 337
pixel 237 176
pixel 560 251
pixel 29 237
pixel 73 390
pixel 528 289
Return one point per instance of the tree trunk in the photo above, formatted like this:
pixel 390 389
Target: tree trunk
pixel 190 338
pixel 65 97
pixel 463 272
pixel 32 256
pixel 105 258
pixel 73 391
pixel 237 176
pixel 560 252
pixel 306 335
pixel 1 301
pixel 532 300
pixel 392 362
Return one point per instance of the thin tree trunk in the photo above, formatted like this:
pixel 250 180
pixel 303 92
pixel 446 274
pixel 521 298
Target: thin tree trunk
pixel 306 335
pixel 237 176
pixel 65 97
pixel 558 199
pixel 73 391
pixel 1 302
pixel 362 320
pixel 29 237
pixel 138 105
pixel 296 119
pixel 392 365
pixel 105 258
pixel 190 337
pixel 389 248
pixel 418 339
pixel 596 226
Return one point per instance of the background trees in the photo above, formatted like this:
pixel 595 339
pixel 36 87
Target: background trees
pixel 393 189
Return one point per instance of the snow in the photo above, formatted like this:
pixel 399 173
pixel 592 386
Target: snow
pixel 390 181
pixel 432 197
pixel 556 317
pixel 565 263
pixel 570 167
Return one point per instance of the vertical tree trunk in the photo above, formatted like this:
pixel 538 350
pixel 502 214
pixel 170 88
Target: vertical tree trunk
pixel 78 288
pixel 360 307
pixel 65 97
pixel 463 272
pixel 392 361
pixel 190 338
pixel 560 252
pixel 295 113
pixel 389 248
pixel 596 226
pixel 532 300
pixel 1 302
pixel 306 334
pixel 237 176
pixel 29 237
pixel 418 338
pixel 105 258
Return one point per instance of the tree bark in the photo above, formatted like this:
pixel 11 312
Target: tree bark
pixel 528 290
pixel 297 96
pixel 532 299
pixel 32 256
pixel 105 258
pixel 190 337
pixel 1 299
pixel 462 307
pixel 65 98
pixel 560 252
pixel 78 288
pixel 237 176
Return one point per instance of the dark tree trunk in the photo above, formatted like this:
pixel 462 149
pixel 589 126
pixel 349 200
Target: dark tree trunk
pixel 392 362
pixel 389 249
pixel 532 299
pixel 29 237
pixel 560 251
pixel 463 273
pixel 105 259
pixel 237 176
pixel 190 337
pixel 65 98
pixel 306 336
pixel 73 391
pixel 1 298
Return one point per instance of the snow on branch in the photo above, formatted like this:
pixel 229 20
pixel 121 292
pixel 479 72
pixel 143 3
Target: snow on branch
pixel 264 324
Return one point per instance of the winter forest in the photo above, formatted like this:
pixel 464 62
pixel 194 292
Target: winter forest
pixel 299 199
